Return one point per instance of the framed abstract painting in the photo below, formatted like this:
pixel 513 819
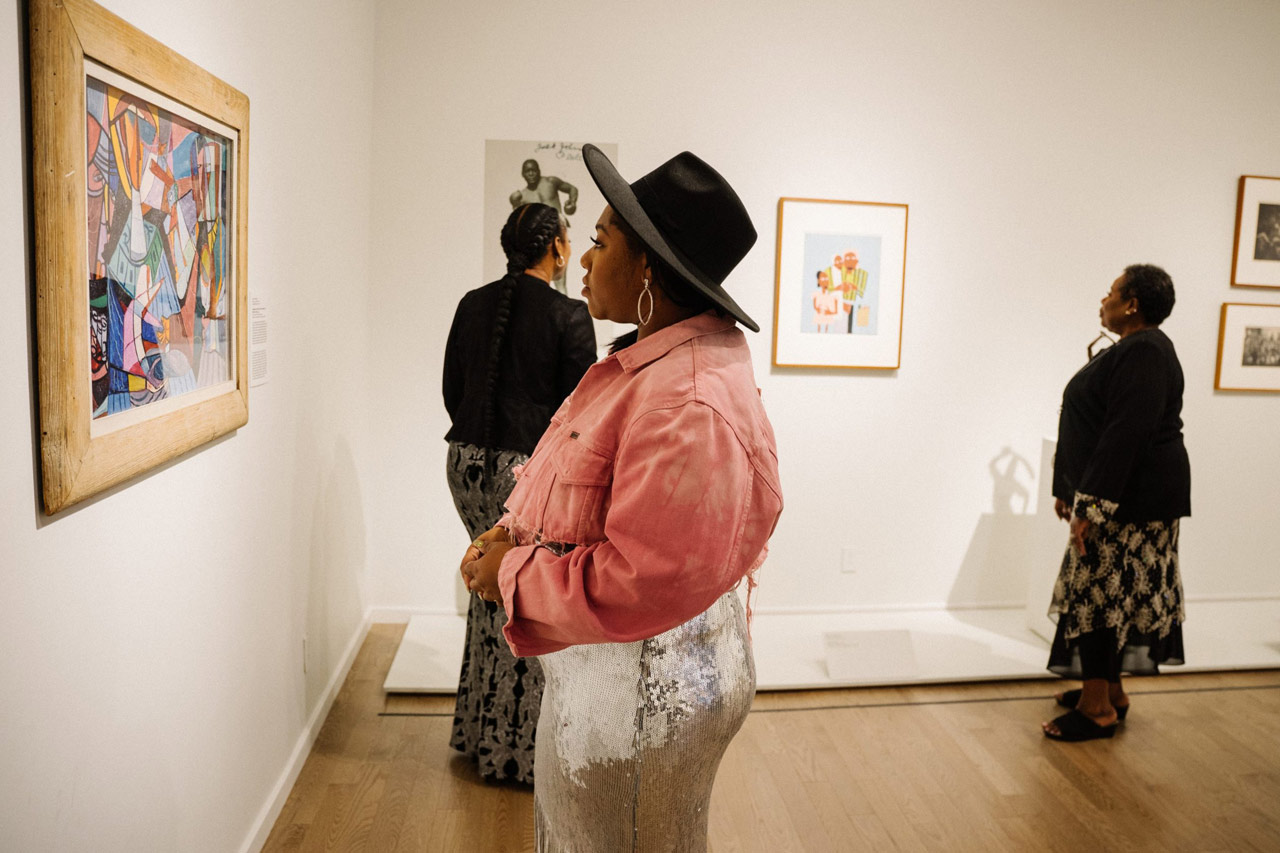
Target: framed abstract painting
pixel 1248 348
pixel 839 283
pixel 1256 262
pixel 140 181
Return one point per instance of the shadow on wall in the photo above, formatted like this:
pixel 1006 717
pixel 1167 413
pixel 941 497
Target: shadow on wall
pixel 1005 544
pixel 338 564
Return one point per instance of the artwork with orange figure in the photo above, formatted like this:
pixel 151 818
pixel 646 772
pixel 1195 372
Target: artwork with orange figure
pixel 159 258
pixel 847 297
pixel 853 279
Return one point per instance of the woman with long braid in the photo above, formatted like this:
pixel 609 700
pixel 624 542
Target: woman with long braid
pixel 516 349
pixel 650 498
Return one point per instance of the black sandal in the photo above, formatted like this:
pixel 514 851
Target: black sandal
pixel 1075 726
pixel 1071 698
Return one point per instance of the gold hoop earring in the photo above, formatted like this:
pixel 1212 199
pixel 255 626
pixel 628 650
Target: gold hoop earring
pixel 640 313
pixel 560 263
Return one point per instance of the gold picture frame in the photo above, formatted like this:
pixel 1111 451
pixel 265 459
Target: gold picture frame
pixel 1248 348
pixel 848 317
pixel 1255 257
pixel 83 55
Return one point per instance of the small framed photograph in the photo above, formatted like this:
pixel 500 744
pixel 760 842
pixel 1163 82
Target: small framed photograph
pixel 838 284
pixel 1257 252
pixel 140 182
pixel 551 172
pixel 1248 348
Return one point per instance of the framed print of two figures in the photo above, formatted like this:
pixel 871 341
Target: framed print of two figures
pixel 839 279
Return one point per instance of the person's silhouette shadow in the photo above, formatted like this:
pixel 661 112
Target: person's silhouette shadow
pixel 1005 486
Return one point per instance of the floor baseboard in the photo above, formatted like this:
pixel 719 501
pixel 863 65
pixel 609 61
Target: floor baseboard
pixel 266 818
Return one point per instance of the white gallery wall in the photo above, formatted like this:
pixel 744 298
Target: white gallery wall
pixel 1041 146
pixel 153 685
pixel 154 696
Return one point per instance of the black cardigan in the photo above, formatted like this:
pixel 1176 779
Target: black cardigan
pixel 548 345
pixel 1120 432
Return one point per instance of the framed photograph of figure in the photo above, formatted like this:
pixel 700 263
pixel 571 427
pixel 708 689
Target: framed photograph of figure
pixel 551 172
pixel 1256 262
pixel 1248 348
pixel 838 284
pixel 140 183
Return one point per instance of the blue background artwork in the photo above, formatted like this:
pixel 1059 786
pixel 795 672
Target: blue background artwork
pixel 819 249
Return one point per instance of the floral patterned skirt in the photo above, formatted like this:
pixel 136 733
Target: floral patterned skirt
pixel 496 715
pixel 1127 581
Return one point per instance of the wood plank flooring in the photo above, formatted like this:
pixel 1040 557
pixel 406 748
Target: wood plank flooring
pixel 957 768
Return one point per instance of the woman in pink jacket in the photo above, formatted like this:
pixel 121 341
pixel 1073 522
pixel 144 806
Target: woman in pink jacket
pixel 651 496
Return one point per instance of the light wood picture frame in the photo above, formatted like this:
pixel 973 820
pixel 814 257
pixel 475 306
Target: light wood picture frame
pixel 1255 259
pixel 839 284
pixel 157 148
pixel 1248 348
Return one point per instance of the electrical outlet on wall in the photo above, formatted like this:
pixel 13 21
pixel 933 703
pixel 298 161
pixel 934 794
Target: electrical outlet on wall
pixel 848 561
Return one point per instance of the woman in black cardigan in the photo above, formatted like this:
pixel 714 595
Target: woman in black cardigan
pixel 516 349
pixel 1122 479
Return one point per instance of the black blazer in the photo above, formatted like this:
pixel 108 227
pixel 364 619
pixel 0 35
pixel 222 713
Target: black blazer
pixel 548 345
pixel 1120 432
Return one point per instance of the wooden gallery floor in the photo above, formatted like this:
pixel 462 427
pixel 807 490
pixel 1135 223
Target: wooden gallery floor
pixel 1195 768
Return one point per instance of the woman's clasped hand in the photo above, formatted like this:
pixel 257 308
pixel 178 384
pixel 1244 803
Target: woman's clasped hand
pixel 481 562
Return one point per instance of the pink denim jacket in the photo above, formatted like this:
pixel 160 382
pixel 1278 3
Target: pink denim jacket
pixel 661 467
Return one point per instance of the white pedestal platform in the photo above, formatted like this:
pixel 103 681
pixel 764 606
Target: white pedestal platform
pixel 818 650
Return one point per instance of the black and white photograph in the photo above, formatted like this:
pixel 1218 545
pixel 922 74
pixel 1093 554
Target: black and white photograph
pixel 518 172
pixel 1266 245
pixel 1261 347
pixel 1248 348
pixel 1256 260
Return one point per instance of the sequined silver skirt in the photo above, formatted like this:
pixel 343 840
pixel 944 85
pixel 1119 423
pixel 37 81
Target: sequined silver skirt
pixel 631 734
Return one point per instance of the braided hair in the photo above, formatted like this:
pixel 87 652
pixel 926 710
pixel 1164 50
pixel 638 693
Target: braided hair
pixel 526 238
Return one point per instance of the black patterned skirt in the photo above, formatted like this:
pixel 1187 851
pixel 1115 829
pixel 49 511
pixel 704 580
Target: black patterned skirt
pixel 496 714
pixel 1129 582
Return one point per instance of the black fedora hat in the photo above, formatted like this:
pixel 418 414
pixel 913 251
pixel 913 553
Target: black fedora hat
pixel 686 213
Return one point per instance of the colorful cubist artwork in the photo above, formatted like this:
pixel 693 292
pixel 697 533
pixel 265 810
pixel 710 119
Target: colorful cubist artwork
pixel 159 252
